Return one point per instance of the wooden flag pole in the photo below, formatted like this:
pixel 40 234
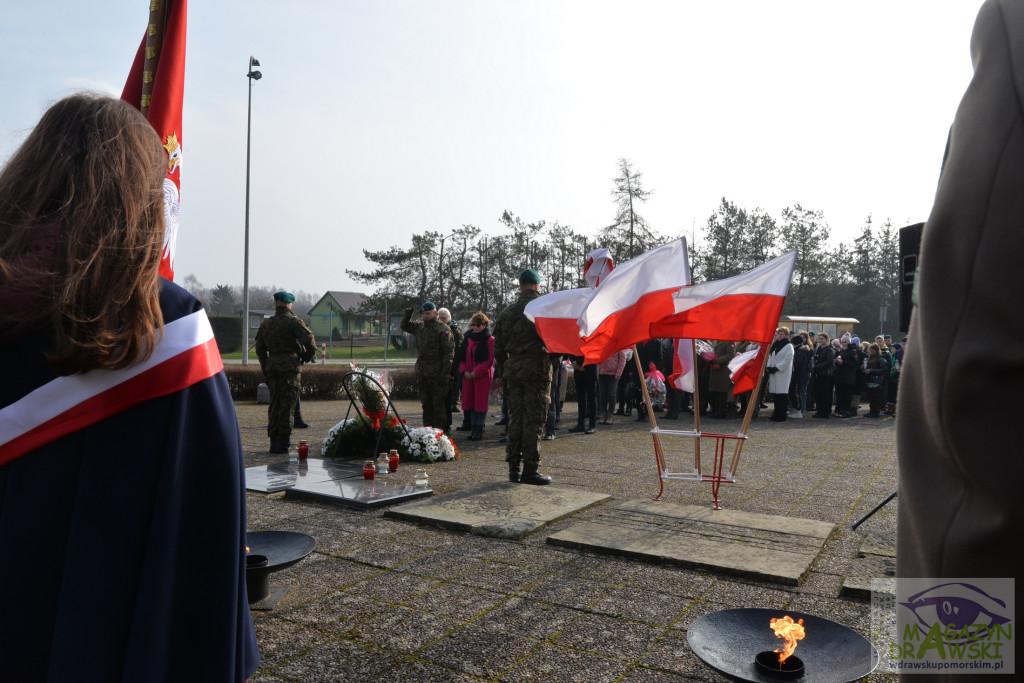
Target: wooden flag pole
pixel 696 407
pixel 158 12
pixel 658 450
pixel 755 394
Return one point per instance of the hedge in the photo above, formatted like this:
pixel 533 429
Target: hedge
pixel 323 382
pixel 319 382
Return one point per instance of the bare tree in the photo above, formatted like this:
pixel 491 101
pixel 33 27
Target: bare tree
pixel 630 234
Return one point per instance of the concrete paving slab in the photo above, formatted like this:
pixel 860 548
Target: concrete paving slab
pixel 500 510
pixel 749 544
pixel 869 566
pixel 879 543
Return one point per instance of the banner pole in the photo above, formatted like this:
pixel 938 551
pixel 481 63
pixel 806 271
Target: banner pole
pixel 658 450
pixel 755 394
pixel 158 11
pixel 696 407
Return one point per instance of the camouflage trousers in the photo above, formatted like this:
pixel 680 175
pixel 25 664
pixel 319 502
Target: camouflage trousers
pixel 284 392
pixel 527 412
pixel 433 391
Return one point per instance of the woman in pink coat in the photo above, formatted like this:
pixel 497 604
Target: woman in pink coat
pixel 476 367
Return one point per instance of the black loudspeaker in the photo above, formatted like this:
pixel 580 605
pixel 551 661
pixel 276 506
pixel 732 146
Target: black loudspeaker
pixel 910 247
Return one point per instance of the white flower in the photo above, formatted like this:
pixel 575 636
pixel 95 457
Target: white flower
pixel 429 444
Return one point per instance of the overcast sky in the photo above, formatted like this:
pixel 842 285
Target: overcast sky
pixel 377 119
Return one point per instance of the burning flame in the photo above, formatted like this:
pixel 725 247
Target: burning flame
pixel 791 630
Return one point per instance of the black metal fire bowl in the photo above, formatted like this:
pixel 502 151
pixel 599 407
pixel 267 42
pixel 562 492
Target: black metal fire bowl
pixel 282 549
pixel 730 640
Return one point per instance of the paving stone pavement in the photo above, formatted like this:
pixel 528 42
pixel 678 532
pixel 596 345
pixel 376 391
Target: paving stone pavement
pixel 384 599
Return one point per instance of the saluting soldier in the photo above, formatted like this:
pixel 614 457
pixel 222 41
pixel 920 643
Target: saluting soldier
pixel 523 362
pixel 435 349
pixel 283 344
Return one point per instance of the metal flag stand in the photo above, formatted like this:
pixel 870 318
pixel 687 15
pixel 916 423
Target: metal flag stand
pixel 716 477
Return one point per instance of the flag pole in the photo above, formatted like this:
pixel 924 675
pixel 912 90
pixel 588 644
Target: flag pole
pixel 751 404
pixel 659 452
pixel 158 11
pixel 696 407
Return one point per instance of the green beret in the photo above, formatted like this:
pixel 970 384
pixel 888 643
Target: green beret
pixel 529 277
pixel 286 297
pixel 428 306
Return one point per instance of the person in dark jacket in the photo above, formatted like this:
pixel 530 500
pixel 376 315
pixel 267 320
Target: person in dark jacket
pixel 720 385
pixel 846 375
pixel 122 522
pixel 876 369
pixel 823 370
pixel 958 441
pixel 802 355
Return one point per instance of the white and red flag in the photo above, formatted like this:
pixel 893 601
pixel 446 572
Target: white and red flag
pixel 743 307
pixel 555 315
pixel 745 368
pixel 156 87
pixel 637 293
pixel 599 264
pixel 683 375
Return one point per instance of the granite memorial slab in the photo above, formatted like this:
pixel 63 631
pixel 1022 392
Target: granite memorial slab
pixel 284 475
pixel 358 493
pixel 754 545
pixel 500 509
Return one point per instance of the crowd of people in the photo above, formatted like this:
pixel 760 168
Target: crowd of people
pixel 806 374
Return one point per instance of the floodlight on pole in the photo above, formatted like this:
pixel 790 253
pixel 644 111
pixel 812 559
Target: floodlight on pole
pixel 253 75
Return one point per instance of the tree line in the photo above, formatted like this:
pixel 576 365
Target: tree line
pixel 466 270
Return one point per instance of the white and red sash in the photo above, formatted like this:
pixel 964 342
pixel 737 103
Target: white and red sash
pixel 185 354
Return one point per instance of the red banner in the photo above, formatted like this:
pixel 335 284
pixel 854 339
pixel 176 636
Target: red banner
pixel 156 87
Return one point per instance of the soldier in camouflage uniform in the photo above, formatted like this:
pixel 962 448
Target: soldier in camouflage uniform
pixel 435 349
pixel 523 362
pixel 283 344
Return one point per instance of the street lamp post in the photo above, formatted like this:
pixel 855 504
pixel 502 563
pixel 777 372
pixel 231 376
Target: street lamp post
pixel 253 75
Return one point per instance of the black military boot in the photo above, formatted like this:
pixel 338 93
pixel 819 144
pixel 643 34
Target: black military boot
pixel 299 422
pixel 535 478
pixel 513 472
pixel 466 425
pixel 278 448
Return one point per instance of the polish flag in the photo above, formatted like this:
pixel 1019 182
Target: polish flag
pixel 599 264
pixel 156 87
pixel 743 307
pixel 683 375
pixel 745 368
pixel 555 316
pixel 631 297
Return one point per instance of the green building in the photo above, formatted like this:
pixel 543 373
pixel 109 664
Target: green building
pixel 339 310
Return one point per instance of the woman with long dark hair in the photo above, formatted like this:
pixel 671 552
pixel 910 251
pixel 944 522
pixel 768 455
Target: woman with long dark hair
pixel 122 502
pixel 476 367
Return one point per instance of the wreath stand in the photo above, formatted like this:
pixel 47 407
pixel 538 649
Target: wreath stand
pixel 717 476
pixel 364 413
